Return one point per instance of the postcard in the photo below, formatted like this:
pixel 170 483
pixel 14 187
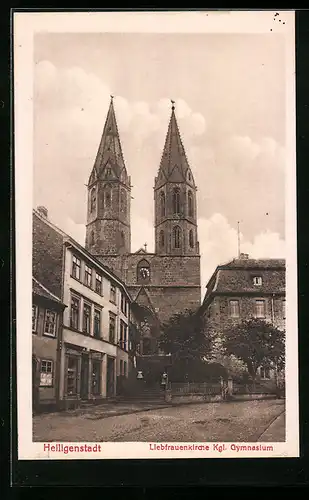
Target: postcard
pixel 156 257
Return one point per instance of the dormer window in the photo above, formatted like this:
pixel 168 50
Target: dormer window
pixel 257 280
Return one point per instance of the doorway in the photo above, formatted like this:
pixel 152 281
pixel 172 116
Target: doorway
pixel 110 377
pixel 84 376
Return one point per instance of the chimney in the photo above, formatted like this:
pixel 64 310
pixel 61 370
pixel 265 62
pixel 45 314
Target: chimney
pixel 43 211
pixel 244 256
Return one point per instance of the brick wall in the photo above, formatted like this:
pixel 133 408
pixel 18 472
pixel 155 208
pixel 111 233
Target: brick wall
pixel 47 256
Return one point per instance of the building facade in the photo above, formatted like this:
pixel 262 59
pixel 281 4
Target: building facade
pixel 94 348
pixel 164 282
pixel 246 288
pixel 47 318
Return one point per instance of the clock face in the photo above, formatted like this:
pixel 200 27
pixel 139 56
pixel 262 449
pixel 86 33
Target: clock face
pixel 144 272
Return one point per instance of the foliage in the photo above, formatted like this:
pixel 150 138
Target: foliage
pixel 256 343
pixel 186 337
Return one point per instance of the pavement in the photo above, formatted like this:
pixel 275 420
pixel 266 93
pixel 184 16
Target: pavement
pixel 237 421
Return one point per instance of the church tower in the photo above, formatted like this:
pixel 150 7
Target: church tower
pixel 175 199
pixel 108 212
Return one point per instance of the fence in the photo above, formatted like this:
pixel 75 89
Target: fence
pixel 220 390
pixel 196 388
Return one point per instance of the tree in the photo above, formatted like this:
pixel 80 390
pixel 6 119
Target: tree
pixel 186 337
pixel 256 343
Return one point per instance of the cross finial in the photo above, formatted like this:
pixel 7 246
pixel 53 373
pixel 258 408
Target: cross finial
pixel 112 97
pixel 145 246
pixel 173 102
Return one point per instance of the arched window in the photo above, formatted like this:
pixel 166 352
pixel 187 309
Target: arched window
pixel 143 271
pixel 162 239
pixel 191 238
pixel 123 201
pixel 92 240
pixel 176 201
pixel 176 236
pixel 190 204
pixel 93 199
pixel 122 239
pixel 162 204
pixel 107 196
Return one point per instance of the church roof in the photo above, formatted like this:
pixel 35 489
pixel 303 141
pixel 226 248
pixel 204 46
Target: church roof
pixel 174 166
pixel 109 163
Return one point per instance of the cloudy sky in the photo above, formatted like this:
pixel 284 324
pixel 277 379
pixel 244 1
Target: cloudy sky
pixel 230 105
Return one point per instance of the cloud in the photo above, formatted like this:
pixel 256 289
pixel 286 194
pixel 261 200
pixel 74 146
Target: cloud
pixel 219 244
pixel 236 174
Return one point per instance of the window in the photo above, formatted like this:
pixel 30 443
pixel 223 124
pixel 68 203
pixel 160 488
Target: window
pixel 72 375
pixel 283 309
pixel 191 240
pixel 123 201
pixel 176 237
pixel 162 204
pixel 34 318
pixel 92 238
pixel 113 294
pixel 93 199
pixel 107 196
pixel 260 308
pixel 125 368
pixel 123 335
pixel 257 280
pixel 122 240
pixel 123 304
pixel 265 372
pixel 98 283
pixel 75 306
pixel 50 323
pixel 190 204
pixel 176 201
pixel 234 308
pixel 86 318
pixel 162 239
pixel 112 328
pixel 97 324
pixel 143 271
pixel 76 268
pixel 88 276
pixel 121 367
pixel 46 373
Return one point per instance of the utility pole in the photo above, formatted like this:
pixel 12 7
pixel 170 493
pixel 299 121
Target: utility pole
pixel 238 236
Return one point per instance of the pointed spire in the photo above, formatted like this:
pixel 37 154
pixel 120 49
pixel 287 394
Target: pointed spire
pixel 174 164
pixel 110 152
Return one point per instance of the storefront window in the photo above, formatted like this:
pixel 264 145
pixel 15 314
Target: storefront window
pixel 72 375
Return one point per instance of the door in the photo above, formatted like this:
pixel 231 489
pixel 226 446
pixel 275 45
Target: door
pixel 84 377
pixel 96 378
pixel 110 377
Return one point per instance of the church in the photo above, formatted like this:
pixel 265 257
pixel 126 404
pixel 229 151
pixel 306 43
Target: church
pixel 164 282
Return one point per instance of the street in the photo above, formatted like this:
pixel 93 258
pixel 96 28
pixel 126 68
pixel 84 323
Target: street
pixel 241 421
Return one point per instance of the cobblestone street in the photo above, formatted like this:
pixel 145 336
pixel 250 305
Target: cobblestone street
pixel 246 421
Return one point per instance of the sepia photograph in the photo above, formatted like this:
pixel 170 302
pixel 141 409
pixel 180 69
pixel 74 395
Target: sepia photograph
pixel 155 235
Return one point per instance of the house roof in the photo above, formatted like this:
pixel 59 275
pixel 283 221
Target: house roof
pixel 42 291
pixel 236 277
pixel 68 240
